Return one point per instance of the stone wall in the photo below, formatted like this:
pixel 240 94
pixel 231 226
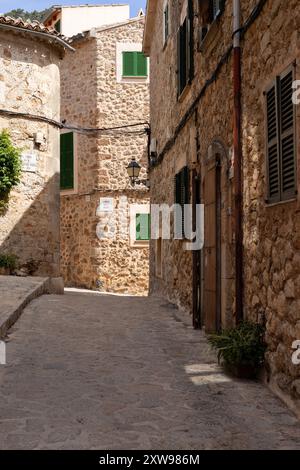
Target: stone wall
pixel 92 97
pixel 271 233
pixel 208 124
pixel 29 82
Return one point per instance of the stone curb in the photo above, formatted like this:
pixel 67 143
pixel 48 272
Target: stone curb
pixel 46 286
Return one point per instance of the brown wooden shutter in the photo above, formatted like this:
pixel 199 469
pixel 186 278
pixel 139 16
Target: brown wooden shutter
pixel 287 136
pixel 273 167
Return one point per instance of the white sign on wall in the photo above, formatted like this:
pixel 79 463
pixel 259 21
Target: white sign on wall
pixel 29 162
pixel 106 204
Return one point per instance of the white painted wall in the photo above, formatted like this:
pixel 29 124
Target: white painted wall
pixel 75 20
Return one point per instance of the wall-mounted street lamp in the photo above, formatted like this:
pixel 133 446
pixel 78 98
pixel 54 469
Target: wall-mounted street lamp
pixel 133 171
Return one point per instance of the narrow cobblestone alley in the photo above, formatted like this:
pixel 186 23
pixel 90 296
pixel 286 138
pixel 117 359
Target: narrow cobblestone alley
pixel 90 371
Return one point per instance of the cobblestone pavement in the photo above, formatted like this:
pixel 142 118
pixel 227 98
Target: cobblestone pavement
pixel 88 371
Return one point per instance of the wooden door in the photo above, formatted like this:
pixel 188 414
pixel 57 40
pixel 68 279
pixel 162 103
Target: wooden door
pixel 212 268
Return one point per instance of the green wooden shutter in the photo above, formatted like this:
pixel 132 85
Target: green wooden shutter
pixel 272 146
pixel 135 64
pixel 142 227
pixel 128 64
pixel 141 64
pixel 57 26
pixel 67 161
pixel 287 137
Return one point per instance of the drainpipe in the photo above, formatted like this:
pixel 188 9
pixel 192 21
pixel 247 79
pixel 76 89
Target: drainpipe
pixel 237 144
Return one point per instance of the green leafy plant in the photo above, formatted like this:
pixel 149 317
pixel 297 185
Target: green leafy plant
pixel 10 167
pixel 241 346
pixel 8 261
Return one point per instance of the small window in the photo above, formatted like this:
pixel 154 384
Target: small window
pixel 57 26
pixel 143 227
pixel 209 11
pixel 166 22
pixel 135 64
pixel 185 41
pixel 67 161
pixel 281 147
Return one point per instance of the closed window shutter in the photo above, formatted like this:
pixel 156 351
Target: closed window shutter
pixel 182 192
pixel 143 227
pixel 273 148
pixel 190 32
pixel 134 64
pixel 128 64
pixel 58 26
pixel 281 139
pixel 183 56
pixel 287 110
pixel 67 161
pixel 141 65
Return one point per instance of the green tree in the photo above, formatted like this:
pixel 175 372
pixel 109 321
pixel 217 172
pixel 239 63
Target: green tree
pixel 10 164
pixel 32 15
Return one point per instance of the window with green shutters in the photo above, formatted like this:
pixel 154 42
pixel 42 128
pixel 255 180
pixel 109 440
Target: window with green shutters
pixel 67 161
pixel 281 147
pixel 143 227
pixel 135 64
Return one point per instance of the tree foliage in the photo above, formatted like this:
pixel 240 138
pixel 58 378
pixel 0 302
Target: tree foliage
pixel 10 164
pixel 32 15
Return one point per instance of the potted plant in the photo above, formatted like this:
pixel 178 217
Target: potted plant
pixel 8 264
pixel 241 350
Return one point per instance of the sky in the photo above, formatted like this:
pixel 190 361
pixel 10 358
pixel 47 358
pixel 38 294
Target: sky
pixel 29 5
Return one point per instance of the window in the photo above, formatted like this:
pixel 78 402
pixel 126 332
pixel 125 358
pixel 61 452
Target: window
pixel 281 148
pixel 134 64
pixel 186 49
pixel 67 161
pixel 217 8
pixel 182 195
pixel 57 26
pixel 142 227
pixel 166 22
pixel 209 11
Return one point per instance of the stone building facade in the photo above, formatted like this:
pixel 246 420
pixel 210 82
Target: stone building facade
pixel 100 249
pixel 192 120
pixel 30 57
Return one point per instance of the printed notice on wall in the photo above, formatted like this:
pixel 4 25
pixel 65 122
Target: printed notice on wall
pixel 29 162
pixel 106 204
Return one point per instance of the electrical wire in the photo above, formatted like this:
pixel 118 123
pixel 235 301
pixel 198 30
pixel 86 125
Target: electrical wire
pixel 87 130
